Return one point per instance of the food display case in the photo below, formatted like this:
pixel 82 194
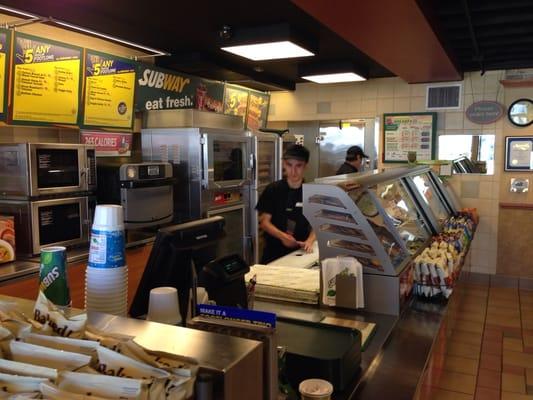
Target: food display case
pixel 382 219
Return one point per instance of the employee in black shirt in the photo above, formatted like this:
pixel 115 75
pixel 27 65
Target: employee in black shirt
pixel 280 209
pixel 354 159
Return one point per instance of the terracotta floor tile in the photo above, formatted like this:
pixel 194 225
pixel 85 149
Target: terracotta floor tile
pixel 490 347
pixel 471 316
pixel 505 293
pixel 528 340
pixel 487 394
pixel 527 324
pixel 529 376
pixel 469 326
pixel 467 337
pixel 513 369
pixel 503 311
pixel 489 379
pixel 515 396
pixel 490 362
pixel 512 304
pixel 512 333
pixel 512 344
pixel 513 383
pixel 459 349
pixel 493 334
pixel 433 393
pixel 456 382
pixel 518 359
pixel 460 364
pixel 503 320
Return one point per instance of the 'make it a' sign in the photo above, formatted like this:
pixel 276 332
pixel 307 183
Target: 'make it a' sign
pixel 484 112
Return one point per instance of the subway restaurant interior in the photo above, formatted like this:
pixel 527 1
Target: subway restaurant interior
pixel 176 220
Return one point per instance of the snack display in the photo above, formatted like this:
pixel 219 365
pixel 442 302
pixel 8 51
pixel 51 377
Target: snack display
pixel 7 239
pixel 437 267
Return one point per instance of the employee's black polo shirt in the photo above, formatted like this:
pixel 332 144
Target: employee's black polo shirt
pixel 346 168
pixel 285 206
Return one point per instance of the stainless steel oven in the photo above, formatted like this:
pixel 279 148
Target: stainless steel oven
pixel 29 170
pixel 43 223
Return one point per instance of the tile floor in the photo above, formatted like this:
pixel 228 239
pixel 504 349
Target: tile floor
pixel 484 350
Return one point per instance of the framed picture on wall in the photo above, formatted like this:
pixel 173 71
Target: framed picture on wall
pixel 519 153
pixel 409 132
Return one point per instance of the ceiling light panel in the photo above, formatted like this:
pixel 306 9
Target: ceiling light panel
pixel 334 78
pixel 269 51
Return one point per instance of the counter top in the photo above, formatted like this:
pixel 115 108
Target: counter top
pixel 27 267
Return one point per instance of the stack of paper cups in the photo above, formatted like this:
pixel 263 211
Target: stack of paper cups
pixel 106 278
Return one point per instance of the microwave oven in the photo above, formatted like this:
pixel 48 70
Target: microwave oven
pixel 53 222
pixel 29 170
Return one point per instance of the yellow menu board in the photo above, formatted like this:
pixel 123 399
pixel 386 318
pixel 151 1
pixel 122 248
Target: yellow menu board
pixel 46 81
pixel 4 54
pixel 109 91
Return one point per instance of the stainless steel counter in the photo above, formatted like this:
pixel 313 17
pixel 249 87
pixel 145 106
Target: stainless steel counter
pixel 235 362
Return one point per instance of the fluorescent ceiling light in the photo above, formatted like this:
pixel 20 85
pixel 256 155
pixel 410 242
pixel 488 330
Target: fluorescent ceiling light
pixel 269 51
pixel 335 78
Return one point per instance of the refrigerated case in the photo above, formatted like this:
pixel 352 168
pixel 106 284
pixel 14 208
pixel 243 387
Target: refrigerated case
pixel 212 165
pixel 383 220
pixel 266 164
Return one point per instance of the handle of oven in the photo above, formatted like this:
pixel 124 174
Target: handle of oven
pixel 147 184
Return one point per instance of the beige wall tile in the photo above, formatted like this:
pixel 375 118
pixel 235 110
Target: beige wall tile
pixel 369 105
pixel 454 120
pixel 385 105
pixel 401 88
pixel 417 104
pixel 385 87
pixel 370 89
pixel 401 104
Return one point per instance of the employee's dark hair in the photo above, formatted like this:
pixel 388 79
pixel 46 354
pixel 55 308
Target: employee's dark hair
pixel 296 152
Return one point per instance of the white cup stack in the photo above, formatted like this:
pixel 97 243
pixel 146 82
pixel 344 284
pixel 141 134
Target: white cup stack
pixel 106 277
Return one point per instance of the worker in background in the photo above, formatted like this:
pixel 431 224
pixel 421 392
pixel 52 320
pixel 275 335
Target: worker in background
pixel 280 209
pixel 353 162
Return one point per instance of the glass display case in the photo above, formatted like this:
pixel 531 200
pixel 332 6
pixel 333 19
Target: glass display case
pixel 382 219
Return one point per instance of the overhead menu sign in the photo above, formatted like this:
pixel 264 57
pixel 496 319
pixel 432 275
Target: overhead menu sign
pixel 162 89
pixel 256 117
pixel 109 91
pixel 235 100
pixel 409 132
pixel 46 81
pixel 5 42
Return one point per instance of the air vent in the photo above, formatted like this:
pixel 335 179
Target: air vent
pixel 443 97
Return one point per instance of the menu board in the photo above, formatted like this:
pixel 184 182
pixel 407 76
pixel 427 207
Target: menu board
pixel 409 132
pixel 46 81
pixel 256 116
pixel 235 100
pixel 109 91
pixel 163 89
pixel 5 42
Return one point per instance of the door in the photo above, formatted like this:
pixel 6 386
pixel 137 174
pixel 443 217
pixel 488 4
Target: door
pixel 335 137
pixel 56 169
pixel 59 222
pixel 266 161
pixel 227 161
pixel 235 239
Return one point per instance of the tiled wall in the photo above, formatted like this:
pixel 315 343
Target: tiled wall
pixel 377 96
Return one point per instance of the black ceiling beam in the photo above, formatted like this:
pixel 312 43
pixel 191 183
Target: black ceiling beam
pixel 452 9
pixel 482 33
pixel 477 54
pixel 186 62
pixel 494 20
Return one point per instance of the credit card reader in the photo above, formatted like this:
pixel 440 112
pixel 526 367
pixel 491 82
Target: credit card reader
pixel 223 279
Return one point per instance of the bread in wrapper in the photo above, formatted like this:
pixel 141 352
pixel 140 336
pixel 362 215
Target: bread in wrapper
pixel 46 357
pixel 81 346
pixel 52 392
pixel 56 321
pixel 20 384
pixel 25 369
pixel 103 386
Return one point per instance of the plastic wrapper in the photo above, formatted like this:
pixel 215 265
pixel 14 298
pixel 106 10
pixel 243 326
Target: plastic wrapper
pixel 25 369
pixel 56 321
pixel 20 384
pixel 46 357
pixel 103 386
pixel 52 392
pixel 87 347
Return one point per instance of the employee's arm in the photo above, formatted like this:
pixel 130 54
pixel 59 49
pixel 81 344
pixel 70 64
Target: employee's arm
pixel 265 222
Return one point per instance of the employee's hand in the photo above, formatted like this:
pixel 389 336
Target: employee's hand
pixel 307 245
pixel 289 241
